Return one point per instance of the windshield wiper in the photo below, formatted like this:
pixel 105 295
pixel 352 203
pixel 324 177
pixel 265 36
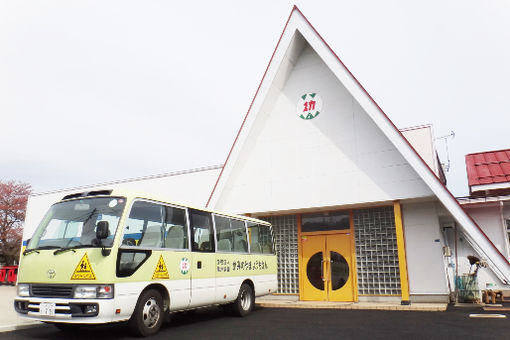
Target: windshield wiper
pixel 63 250
pixel 36 250
pixel 90 215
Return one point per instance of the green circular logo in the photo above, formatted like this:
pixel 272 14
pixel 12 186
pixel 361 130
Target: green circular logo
pixel 309 106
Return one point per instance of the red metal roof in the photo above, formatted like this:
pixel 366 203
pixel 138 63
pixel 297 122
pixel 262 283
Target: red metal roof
pixel 488 167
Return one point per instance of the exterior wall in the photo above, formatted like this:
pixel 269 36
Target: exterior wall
pixel 486 278
pixel 490 220
pixel 458 263
pixel 425 263
pixel 490 217
pixel 341 157
pixel 421 138
pixel 192 188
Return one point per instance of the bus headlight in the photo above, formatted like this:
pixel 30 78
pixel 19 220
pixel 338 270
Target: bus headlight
pixel 105 292
pixel 93 292
pixel 23 289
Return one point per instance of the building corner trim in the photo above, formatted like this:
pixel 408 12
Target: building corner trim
pixel 401 248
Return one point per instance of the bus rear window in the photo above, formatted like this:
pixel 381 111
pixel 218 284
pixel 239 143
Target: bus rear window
pixel 261 238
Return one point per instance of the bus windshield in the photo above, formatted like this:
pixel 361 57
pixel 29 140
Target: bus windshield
pixel 73 223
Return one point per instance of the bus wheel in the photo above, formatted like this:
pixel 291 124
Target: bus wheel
pixel 245 301
pixel 148 315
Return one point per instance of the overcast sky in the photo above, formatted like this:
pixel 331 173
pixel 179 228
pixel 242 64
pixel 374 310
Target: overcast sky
pixel 93 91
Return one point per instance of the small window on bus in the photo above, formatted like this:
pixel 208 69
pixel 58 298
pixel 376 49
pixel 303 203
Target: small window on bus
pixel 145 225
pixel 203 233
pixel 261 240
pixel 223 233
pixel 240 240
pixel 176 230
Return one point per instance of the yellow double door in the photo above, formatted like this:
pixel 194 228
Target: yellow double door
pixel 327 270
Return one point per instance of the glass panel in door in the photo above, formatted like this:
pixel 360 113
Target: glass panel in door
pixel 339 270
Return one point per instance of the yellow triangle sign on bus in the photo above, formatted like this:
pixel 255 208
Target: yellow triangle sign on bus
pixel 83 270
pixel 161 272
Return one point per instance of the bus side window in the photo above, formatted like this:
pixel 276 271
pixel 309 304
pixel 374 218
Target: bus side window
pixel 176 234
pixel 145 225
pixel 223 233
pixel 261 240
pixel 202 229
pixel 240 239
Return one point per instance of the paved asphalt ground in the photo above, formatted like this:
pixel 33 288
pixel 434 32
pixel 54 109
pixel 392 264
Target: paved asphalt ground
pixel 274 323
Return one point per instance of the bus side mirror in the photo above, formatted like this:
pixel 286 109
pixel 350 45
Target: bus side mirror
pixel 102 230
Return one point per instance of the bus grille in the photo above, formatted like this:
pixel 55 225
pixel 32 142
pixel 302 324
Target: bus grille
pixel 57 291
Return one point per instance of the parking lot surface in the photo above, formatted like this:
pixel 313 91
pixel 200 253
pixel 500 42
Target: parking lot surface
pixel 275 323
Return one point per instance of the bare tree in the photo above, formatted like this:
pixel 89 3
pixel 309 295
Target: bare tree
pixel 13 204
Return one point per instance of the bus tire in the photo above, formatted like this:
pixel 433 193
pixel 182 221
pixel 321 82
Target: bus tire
pixel 149 314
pixel 245 300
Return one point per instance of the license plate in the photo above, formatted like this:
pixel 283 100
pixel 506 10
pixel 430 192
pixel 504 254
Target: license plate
pixel 47 308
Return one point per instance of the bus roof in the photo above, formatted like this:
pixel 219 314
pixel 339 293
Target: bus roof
pixel 134 194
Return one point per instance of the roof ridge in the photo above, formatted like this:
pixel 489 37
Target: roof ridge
pixel 486 152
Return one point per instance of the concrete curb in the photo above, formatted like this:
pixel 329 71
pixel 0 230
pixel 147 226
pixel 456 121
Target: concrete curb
pixel 422 307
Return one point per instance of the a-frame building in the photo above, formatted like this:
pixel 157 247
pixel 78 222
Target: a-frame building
pixel 358 214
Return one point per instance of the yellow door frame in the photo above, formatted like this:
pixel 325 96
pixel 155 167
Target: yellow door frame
pixel 302 265
pixel 353 258
pixel 300 258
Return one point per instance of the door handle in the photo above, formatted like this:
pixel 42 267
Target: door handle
pixel 325 273
pixel 322 270
pixel 328 274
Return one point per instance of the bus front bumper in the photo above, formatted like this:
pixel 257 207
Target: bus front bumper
pixel 84 311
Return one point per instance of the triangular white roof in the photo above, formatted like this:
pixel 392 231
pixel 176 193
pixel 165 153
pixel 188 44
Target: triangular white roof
pixel 298 25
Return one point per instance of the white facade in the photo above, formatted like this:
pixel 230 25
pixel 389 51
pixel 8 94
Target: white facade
pixel 339 158
pixel 492 214
pixel 489 217
pixel 424 250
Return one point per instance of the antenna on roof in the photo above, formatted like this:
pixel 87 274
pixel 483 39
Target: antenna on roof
pixel 451 135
